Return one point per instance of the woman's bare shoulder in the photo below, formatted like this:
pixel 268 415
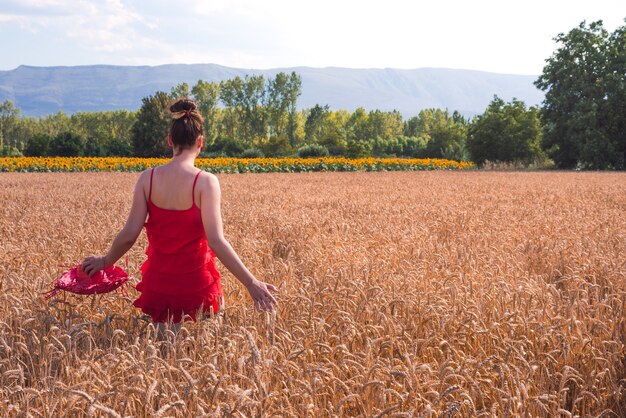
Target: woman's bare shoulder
pixel 143 181
pixel 144 176
pixel 208 179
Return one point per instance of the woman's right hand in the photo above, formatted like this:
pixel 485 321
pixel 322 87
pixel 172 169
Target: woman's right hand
pixel 260 293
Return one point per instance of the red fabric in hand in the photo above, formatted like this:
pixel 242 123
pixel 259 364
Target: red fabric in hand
pixel 77 281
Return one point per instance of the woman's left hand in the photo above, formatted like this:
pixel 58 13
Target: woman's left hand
pixel 260 293
pixel 93 264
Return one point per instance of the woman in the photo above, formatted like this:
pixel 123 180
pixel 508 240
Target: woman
pixel 184 230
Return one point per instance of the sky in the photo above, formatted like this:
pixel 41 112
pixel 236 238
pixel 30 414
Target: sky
pixel 513 37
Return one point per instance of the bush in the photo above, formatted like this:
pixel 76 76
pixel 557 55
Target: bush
pixel 401 146
pixel 8 151
pixel 313 151
pixel 38 146
pixel 67 144
pixel 213 154
pixel 117 147
pixel 229 147
pixel 540 163
pixel 414 147
pixel 357 149
pixel 337 150
pixel 94 149
pixel 252 153
pixel 277 146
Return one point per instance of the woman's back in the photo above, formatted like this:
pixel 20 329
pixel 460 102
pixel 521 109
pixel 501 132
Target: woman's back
pixel 173 187
pixel 177 242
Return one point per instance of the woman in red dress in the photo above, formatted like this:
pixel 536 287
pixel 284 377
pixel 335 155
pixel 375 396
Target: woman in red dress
pixel 184 229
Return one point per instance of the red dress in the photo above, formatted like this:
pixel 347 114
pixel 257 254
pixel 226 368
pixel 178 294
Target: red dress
pixel 179 277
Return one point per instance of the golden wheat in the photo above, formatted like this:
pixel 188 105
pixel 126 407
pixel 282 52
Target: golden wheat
pixel 401 294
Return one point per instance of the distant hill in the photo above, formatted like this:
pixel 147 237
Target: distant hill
pixel 39 91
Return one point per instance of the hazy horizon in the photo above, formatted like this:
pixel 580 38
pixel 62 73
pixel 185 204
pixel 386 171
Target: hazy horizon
pixel 265 69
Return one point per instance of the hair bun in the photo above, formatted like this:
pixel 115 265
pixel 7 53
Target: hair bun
pixel 186 125
pixel 182 105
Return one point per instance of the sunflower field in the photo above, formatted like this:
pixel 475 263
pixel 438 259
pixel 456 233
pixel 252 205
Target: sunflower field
pixel 228 165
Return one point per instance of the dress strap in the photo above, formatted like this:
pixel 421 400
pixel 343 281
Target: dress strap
pixel 193 189
pixel 150 192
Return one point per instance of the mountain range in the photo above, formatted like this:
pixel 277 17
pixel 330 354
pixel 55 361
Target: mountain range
pixel 39 91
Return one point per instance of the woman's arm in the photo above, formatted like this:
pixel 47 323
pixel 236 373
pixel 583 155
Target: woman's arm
pixel 127 236
pixel 210 197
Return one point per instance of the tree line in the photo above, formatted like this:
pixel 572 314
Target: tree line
pixel 581 124
pixel 251 117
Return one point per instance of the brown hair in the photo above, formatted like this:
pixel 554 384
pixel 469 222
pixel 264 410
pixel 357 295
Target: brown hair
pixel 186 124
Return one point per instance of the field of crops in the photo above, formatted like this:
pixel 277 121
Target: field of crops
pixel 402 294
pixel 230 165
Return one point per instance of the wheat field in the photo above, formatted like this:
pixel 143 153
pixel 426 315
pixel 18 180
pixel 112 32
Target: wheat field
pixel 416 294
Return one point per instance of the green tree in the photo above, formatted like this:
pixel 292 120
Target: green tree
pixel 386 125
pixel 207 96
pixel 229 125
pixel 117 147
pixel 458 118
pixel 180 91
pixel 149 132
pixel 67 144
pixel 293 91
pixel 412 127
pixel 314 125
pixel 413 146
pixel 231 96
pixel 119 125
pixel 23 131
pixel 95 149
pixel 277 104
pixel 54 124
pixel 246 99
pixel 401 146
pixel 447 141
pixel 281 97
pixel 254 102
pixel 9 117
pixel 357 149
pixel 38 146
pixel 106 132
pixel 332 133
pixel 616 95
pixel 358 126
pixel 277 146
pixel 583 110
pixel 97 130
pixel 445 135
pixel 505 132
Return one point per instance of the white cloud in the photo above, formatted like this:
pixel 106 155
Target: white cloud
pixel 484 34
pixel 98 25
